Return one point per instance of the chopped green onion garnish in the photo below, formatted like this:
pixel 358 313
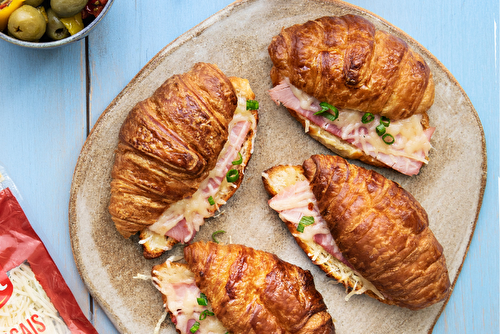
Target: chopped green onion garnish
pixel 325 107
pixel 202 300
pixel 195 327
pixel 215 233
pixel 206 313
pixel 252 104
pixel 384 120
pixel 211 200
pixel 305 221
pixel 388 139
pixel 380 129
pixel 239 160
pixel 367 118
pixel 329 116
pixel 232 175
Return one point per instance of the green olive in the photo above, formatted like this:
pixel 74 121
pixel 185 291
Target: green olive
pixel 26 23
pixel 67 8
pixel 34 3
pixel 55 28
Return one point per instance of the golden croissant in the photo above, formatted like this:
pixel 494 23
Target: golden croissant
pixel 181 154
pixel 360 91
pixel 237 289
pixel 361 229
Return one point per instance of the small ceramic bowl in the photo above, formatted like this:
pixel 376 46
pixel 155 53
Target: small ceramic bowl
pixel 53 44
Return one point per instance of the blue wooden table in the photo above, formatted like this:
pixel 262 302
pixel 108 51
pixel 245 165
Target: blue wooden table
pixel 50 99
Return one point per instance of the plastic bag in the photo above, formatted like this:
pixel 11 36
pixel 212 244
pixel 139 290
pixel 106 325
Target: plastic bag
pixel 34 298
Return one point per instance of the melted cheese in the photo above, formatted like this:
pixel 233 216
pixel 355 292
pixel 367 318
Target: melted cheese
pixel 196 208
pixel 305 100
pixel 410 138
pixel 296 201
pixel 155 240
pixel 177 283
pixel 29 299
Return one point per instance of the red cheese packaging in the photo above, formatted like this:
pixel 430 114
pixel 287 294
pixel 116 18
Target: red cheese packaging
pixel 34 298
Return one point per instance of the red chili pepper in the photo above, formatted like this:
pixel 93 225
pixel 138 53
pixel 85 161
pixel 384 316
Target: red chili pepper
pixel 5 3
pixel 93 8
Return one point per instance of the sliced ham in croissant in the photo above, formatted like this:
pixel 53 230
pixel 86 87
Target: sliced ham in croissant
pixel 174 151
pixel 361 92
pixel 249 291
pixel 362 229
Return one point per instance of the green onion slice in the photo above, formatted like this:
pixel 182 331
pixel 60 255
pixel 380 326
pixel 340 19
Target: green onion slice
pixel 252 104
pixel 215 233
pixel 239 160
pixel 305 221
pixel 211 200
pixel 385 121
pixel 206 313
pixel 367 118
pixel 380 129
pixel 232 175
pixel 202 300
pixel 388 139
pixel 325 107
pixel 195 327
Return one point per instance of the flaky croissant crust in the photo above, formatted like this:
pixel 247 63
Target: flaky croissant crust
pixel 254 291
pixel 381 230
pixel 348 63
pixel 168 144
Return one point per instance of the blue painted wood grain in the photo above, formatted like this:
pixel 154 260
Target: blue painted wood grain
pixel 43 123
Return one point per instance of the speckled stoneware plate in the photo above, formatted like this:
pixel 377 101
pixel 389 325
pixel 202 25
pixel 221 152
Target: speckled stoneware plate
pixel 236 39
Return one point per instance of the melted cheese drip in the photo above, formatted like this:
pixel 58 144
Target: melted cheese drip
pixel 28 299
pixel 197 207
pixel 305 99
pixel 410 138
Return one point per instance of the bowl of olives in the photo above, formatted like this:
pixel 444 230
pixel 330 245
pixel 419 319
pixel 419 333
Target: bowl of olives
pixel 49 23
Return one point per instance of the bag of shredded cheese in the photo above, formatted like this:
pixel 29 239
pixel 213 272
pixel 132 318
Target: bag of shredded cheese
pixel 34 298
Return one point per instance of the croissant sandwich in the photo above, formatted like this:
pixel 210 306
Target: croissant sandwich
pixel 362 229
pixel 361 92
pixel 237 289
pixel 181 154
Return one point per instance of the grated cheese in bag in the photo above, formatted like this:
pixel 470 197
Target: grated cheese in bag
pixel 34 298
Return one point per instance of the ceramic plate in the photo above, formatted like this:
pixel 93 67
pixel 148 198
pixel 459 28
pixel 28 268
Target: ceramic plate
pixel 236 39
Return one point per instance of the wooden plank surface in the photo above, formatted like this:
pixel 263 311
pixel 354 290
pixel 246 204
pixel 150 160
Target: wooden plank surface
pixel 43 109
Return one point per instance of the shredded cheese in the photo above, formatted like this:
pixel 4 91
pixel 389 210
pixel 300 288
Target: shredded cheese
pixel 160 321
pixel 143 277
pixel 306 127
pixel 29 308
pixel 338 269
